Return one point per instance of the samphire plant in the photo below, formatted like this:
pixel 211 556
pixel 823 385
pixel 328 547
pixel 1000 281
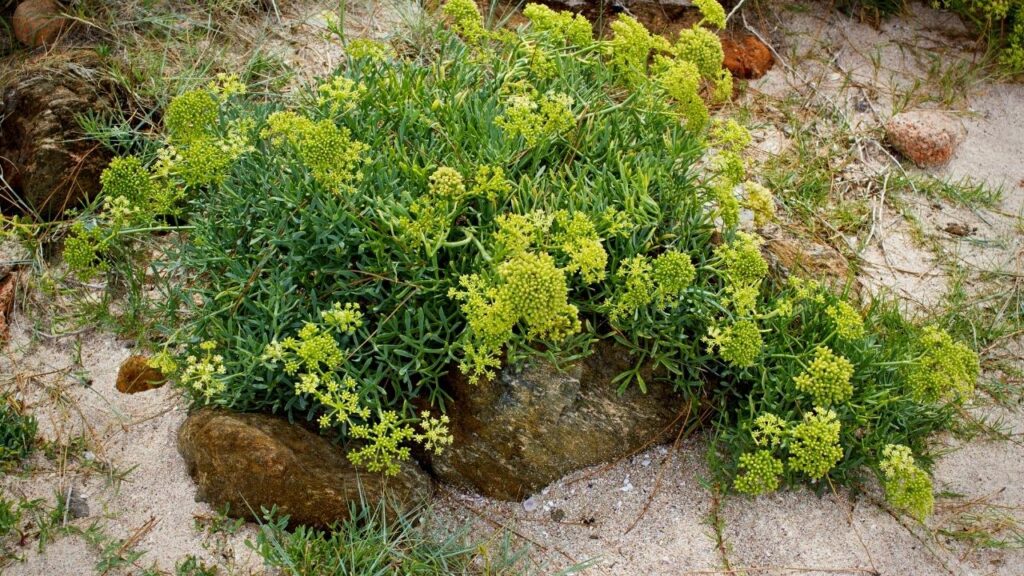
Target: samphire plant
pixel 500 194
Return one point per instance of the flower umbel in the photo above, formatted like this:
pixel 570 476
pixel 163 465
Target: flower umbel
pixel 761 475
pixel 814 443
pixel 827 379
pixel 907 486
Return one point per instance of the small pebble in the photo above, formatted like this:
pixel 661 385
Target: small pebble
pixel 530 504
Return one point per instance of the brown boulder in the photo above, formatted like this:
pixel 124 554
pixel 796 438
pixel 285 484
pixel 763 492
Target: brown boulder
pixel 252 461
pixel 136 375
pixel 522 430
pixel 747 57
pixel 44 156
pixel 37 22
pixel 925 137
pixel 805 258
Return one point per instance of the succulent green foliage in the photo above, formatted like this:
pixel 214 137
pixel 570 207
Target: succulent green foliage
pixel 509 220
pixel 503 195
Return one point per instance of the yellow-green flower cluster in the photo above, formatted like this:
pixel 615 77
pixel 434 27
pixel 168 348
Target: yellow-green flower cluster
pixel 358 48
pixel 531 289
pixel 431 214
pixel 83 249
pixel 703 48
pixel 739 344
pixel 907 487
pixel 537 292
pixel 340 95
pixel 566 26
pixel 203 161
pixel 127 178
pixel 722 87
pixel 712 12
pixel 119 211
pixel 635 276
pixel 344 319
pixel 224 86
pixel 673 272
pixel 945 371
pixel 742 297
pixel 728 134
pixel 827 379
pixel 537 119
pixel 204 374
pixel 518 232
pixel 327 150
pixel 465 20
pixel 848 321
pixel 762 472
pixel 769 430
pixel 490 182
pixel 741 259
pixel 722 189
pixel 577 238
pixel 629 47
pixel 541 65
pixel 314 358
pixel 435 435
pixel 761 202
pixel 384 450
pixel 164 362
pixel 490 320
pixel 814 443
pixel 681 82
pixel 191 116
pixel 447 183
pixel 195 153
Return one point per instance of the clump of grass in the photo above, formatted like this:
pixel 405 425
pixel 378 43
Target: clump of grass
pixel 964 192
pixel 17 432
pixel 372 542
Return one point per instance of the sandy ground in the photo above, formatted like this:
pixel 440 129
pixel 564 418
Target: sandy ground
pixel 652 513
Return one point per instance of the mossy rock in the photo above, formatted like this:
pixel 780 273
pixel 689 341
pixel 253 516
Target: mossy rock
pixel 246 462
pixel 524 429
pixel 44 156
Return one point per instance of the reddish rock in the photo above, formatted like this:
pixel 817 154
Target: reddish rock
pixel 38 22
pixel 7 290
pixel 927 138
pixel 136 375
pixel 747 57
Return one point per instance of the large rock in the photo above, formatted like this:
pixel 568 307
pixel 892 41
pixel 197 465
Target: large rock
pixel 249 461
pixel 44 156
pixel 522 430
pixel 926 137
